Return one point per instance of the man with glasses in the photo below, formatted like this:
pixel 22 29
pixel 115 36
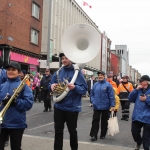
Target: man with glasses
pixel 45 92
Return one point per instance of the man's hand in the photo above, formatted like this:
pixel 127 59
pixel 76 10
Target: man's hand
pixel 53 86
pixel 112 109
pixel 143 98
pixel 139 87
pixel 70 86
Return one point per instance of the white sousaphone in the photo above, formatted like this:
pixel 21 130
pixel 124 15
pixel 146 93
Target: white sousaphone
pixel 80 43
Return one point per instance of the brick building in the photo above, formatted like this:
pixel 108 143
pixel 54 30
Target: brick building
pixel 20 32
pixel 115 64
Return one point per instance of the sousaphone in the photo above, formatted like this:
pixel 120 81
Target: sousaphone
pixel 80 43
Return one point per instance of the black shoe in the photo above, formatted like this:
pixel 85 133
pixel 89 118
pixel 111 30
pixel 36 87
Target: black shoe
pixel 122 118
pixel 45 110
pixel 102 137
pixel 126 119
pixel 93 138
pixel 50 110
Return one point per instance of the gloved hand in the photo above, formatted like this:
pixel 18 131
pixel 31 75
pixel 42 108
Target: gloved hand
pixel 6 99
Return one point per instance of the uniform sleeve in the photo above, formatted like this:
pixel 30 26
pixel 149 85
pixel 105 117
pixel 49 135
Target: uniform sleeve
pixel 81 85
pixel 26 101
pixel 148 100
pixel 133 95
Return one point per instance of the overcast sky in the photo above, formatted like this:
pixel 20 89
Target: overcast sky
pixel 126 22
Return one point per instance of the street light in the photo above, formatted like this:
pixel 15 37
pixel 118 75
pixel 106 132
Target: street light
pixel 49 34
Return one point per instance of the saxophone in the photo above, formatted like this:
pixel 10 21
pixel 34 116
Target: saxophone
pixel 14 96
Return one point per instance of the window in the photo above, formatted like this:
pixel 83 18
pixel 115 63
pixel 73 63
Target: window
pixel 35 10
pixel 34 36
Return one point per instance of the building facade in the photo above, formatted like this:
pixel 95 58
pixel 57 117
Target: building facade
pixel 64 13
pixel 20 32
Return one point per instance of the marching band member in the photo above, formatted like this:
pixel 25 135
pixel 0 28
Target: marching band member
pixel 102 98
pixel 141 113
pixel 14 121
pixel 67 109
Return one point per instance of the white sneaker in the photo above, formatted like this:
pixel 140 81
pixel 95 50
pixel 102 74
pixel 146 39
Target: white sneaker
pixel 90 105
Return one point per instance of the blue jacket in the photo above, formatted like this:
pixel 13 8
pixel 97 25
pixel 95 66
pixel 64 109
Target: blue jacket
pixel 72 101
pixel 3 76
pixel 15 116
pixel 102 95
pixel 141 110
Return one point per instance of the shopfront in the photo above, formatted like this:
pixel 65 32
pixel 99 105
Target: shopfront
pixel 30 64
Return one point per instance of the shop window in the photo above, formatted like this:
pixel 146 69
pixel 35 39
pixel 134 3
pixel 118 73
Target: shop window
pixel 34 36
pixel 35 10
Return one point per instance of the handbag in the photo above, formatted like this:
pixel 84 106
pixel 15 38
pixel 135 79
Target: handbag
pixel 113 127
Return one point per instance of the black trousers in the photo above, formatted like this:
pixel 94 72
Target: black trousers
pixel 47 99
pixel 36 94
pixel 103 115
pixel 15 138
pixel 89 91
pixel 136 133
pixel 60 117
pixel 125 105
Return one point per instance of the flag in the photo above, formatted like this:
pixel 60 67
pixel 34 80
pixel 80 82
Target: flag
pixel 86 4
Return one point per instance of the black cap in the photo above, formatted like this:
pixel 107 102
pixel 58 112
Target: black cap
pixel 1 61
pixel 144 78
pixel 61 54
pixel 101 72
pixel 14 65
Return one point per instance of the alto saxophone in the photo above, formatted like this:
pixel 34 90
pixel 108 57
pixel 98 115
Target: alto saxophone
pixel 14 96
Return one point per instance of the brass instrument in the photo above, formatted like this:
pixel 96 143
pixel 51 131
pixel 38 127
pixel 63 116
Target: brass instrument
pixel 14 96
pixel 60 87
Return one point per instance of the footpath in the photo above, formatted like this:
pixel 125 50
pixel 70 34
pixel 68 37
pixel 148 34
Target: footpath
pixel 43 143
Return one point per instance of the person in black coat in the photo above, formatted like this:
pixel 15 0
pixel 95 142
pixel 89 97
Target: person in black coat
pixel 90 84
pixel 45 92
pixel 116 80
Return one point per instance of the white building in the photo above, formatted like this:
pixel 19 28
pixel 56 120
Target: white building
pixel 121 50
pixel 64 14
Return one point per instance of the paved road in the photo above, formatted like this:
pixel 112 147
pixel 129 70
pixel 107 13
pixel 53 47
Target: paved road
pixel 40 132
pixel 41 124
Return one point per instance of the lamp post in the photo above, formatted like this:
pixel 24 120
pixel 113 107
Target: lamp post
pixel 49 34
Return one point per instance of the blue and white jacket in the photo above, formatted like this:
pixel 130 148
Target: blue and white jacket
pixel 15 116
pixel 102 95
pixel 72 101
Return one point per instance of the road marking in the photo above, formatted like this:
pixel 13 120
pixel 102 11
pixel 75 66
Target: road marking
pixel 87 113
pixel 41 126
pixel 80 142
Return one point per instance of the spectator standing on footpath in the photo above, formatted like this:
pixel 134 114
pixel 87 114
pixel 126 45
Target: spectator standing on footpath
pixel 102 98
pixel 68 108
pixel 90 84
pixel 36 84
pixel 124 89
pixel 44 90
pixel 141 113
pixel 116 80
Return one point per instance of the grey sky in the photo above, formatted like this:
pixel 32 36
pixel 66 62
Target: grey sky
pixel 126 22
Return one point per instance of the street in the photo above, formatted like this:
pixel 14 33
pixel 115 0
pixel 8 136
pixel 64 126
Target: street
pixel 41 124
